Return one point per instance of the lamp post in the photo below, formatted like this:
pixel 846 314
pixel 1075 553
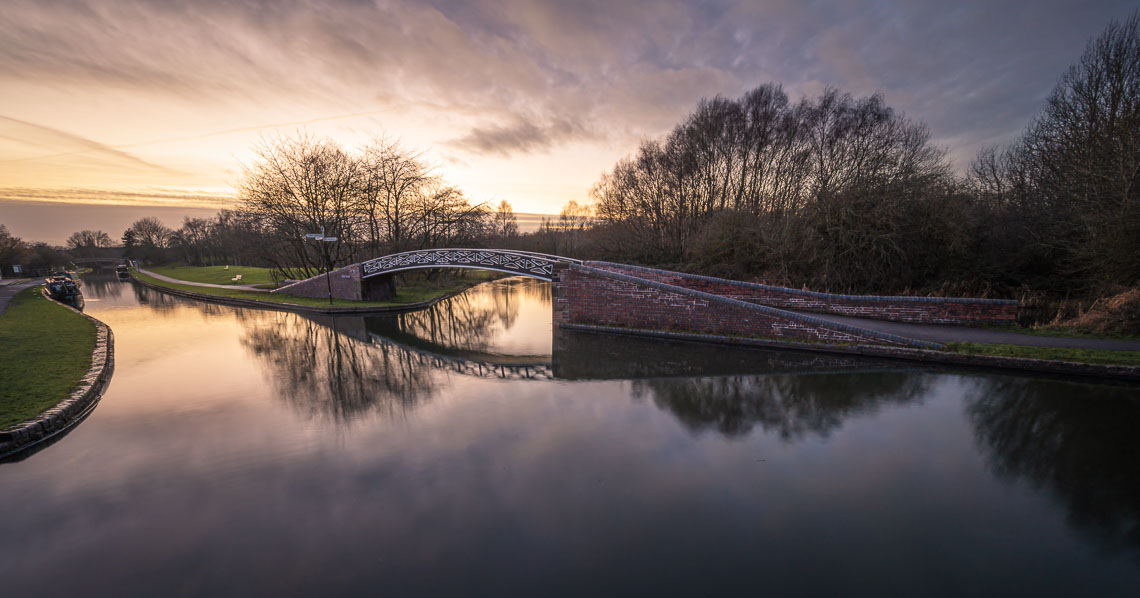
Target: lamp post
pixel 320 237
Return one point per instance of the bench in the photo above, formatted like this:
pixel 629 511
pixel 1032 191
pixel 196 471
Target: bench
pixel 236 278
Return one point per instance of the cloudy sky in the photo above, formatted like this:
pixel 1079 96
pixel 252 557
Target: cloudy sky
pixel 140 103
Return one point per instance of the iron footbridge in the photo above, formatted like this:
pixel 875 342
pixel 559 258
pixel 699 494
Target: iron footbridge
pixel 524 263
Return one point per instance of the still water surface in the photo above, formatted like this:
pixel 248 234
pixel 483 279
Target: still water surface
pixel 461 450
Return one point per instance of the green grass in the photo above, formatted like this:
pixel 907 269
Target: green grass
pixel 45 349
pixel 1057 331
pixel 410 291
pixel 1099 356
pixel 216 274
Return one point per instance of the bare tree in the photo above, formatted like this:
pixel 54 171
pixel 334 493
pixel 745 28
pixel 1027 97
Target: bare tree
pixel 85 242
pixel 392 180
pixel 302 186
pixel 151 232
pixel 1068 188
pixel 506 225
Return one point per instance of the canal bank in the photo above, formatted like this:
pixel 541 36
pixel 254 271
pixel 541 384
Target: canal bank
pixel 1129 373
pixel 57 419
pixel 183 290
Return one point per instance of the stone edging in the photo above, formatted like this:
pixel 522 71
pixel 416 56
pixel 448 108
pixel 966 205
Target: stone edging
pixel 819 294
pixel 76 406
pixel 240 302
pixel 1043 366
pixel 764 309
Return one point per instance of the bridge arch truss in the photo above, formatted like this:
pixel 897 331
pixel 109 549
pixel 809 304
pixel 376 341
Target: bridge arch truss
pixel 524 263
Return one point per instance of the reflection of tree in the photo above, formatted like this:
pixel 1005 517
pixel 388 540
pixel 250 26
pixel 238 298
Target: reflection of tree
pixel 792 406
pixel 157 300
pixel 465 322
pixel 102 284
pixel 1077 441
pixel 320 371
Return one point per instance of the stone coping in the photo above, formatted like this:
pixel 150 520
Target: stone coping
pixel 1024 364
pixel 71 410
pixel 819 294
pixel 273 305
pixel 764 309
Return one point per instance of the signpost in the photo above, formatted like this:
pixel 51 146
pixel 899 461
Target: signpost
pixel 321 238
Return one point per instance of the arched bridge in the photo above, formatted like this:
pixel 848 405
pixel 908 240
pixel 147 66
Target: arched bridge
pixel 603 296
pixel 525 263
pixel 98 261
pixel 372 279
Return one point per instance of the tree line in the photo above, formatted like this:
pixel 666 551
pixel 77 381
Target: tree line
pixel 846 194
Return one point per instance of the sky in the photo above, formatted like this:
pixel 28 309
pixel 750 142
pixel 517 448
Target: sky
pixel 111 108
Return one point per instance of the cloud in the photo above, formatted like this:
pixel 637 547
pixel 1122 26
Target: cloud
pixel 521 76
pixel 104 197
pixel 53 143
pixel 520 136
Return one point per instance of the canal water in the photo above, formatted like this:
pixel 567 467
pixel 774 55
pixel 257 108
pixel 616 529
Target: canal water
pixel 465 450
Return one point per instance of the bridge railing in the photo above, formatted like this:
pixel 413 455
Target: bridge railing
pixel 527 263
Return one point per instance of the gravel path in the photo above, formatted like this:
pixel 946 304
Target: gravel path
pixel 248 287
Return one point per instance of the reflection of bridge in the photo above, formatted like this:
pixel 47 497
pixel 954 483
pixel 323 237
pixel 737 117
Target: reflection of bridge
pixel 485 366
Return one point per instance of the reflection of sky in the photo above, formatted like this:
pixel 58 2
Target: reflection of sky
pixel 194 476
pixel 518 310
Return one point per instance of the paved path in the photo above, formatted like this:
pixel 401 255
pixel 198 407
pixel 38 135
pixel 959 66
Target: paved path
pixel 939 333
pixel 9 290
pixel 248 287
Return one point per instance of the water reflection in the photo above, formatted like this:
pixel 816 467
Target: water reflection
pixel 101 285
pixel 345 366
pixel 646 468
pixel 1077 442
pixel 320 370
pixel 790 406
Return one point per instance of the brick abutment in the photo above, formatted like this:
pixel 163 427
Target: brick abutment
pixel 924 310
pixel 583 294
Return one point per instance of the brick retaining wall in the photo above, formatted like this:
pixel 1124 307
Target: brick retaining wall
pixel 926 310
pixel 345 284
pixel 586 295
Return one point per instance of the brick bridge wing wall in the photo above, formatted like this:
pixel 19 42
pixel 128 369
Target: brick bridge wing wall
pixel 586 295
pixel 345 284
pixel 927 310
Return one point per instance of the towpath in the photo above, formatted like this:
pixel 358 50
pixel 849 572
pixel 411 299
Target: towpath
pixel 8 289
pixel 248 287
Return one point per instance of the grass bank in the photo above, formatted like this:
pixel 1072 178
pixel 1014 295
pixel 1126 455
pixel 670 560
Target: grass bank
pixel 411 290
pixel 1100 356
pixel 45 349
pixel 1059 331
pixel 216 274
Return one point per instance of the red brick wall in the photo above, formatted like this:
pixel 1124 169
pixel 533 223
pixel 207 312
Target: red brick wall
pixel 345 285
pixel 583 297
pixel 929 310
